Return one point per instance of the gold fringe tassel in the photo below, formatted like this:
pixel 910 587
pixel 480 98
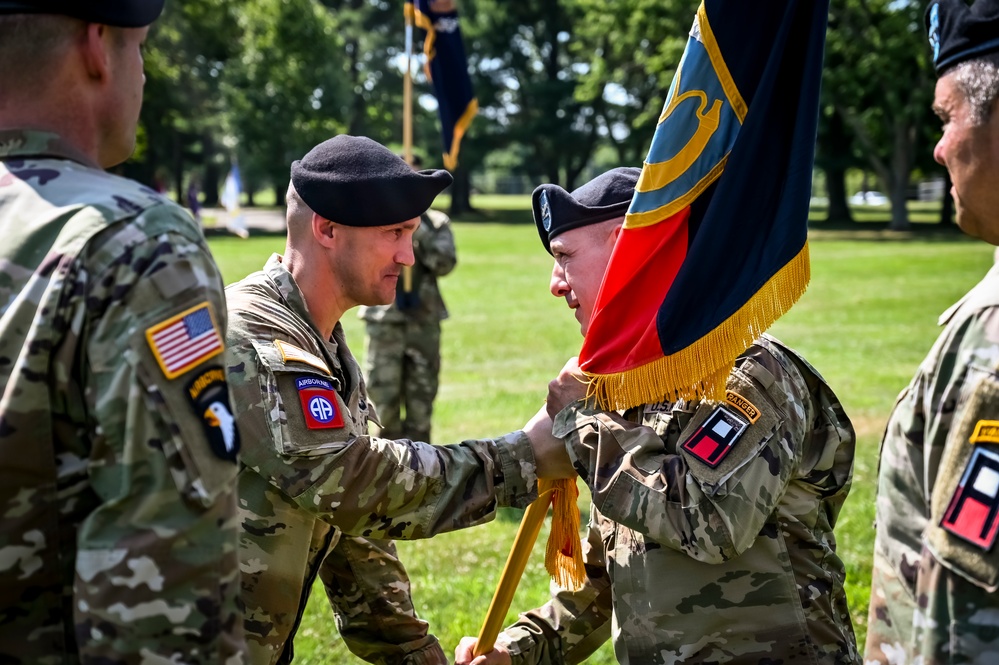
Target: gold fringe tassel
pixel 701 370
pixel 563 555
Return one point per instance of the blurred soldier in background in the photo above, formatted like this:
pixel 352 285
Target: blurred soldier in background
pixel 403 350
pixel 117 451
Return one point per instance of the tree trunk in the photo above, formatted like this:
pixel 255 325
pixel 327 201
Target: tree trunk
pixel 461 190
pixel 178 168
pixel 838 210
pixel 210 183
pixel 901 165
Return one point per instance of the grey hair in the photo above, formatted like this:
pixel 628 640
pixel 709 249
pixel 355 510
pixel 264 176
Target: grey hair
pixel 978 81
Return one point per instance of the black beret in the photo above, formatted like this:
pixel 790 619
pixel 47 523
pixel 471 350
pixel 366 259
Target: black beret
pixel 605 197
pixel 119 13
pixel 959 32
pixel 355 181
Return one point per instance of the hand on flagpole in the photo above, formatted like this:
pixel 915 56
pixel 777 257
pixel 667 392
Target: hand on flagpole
pixel 550 454
pixel 569 386
pixel 464 654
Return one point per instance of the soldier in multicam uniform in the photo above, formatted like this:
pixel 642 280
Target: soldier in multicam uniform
pixel 118 539
pixel 403 351
pixel 711 529
pixel 311 473
pixel 936 565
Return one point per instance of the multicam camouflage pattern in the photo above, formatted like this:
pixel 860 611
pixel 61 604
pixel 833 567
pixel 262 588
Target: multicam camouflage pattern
pixel 300 486
pixel 117 523
pixel 692 564
pixel 403 347
pixel 933 595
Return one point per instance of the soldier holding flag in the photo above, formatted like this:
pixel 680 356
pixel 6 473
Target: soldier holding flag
pixel 717 458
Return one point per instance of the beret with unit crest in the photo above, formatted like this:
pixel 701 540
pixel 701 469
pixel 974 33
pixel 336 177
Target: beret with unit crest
pixel 605 197
pixel 354 181
pixel 960 32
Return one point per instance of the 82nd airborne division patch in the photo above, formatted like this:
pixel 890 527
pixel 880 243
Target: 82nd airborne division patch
pixel 319 404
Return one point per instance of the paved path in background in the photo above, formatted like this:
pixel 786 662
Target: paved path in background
pixel 215 221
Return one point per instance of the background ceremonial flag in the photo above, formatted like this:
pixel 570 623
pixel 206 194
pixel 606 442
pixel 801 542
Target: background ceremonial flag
pixel 231 191
pixel 447 69
pixel 714 246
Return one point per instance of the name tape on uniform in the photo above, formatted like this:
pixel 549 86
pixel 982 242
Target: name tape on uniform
pixel 186 340
pixel 290 352
pixel 319 405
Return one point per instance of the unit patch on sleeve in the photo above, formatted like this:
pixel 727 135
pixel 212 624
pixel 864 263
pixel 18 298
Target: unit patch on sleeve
pixel 318 403
pixel 986 431
pixel 185 340
pixel 716 437
pixel 209 396
pixel 290 352
pixel 973 512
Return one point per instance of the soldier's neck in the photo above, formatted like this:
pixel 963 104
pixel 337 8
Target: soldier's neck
pixel 318 287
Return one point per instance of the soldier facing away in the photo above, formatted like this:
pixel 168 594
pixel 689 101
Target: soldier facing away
pixel 118 535
pixel 403 353
pixel 936 566
pixel 711 528
pixel 311 474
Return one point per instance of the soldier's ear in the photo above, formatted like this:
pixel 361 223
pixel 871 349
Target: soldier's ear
pixel 322 230
pixel 93 46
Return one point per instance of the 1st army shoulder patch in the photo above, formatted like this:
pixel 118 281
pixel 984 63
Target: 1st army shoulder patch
pixel 716 437
pixel 186 340
pixel 973 511
pixel 319 403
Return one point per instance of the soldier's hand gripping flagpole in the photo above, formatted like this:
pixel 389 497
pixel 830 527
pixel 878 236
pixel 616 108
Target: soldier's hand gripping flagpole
pixel 563 559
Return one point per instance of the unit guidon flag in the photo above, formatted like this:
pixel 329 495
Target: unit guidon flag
pixel 447 69
pixel 714 246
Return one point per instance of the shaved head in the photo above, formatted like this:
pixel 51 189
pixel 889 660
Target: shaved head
pixel 31 45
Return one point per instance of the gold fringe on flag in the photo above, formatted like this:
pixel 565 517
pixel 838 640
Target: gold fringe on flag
pixel 701 370
pixel 563 555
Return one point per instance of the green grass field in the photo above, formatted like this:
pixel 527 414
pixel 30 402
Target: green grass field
pixel 868 318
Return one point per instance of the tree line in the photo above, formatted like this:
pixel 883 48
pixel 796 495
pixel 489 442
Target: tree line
pixel 562 85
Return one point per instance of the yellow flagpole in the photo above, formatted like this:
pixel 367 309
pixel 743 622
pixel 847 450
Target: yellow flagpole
pixel 407 119
pixel 523 544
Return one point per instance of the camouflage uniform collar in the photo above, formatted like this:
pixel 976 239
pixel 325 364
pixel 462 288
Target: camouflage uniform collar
pixel 37 143
pixel 288 289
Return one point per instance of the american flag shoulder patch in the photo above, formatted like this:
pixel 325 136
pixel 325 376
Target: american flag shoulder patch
pixel 184 341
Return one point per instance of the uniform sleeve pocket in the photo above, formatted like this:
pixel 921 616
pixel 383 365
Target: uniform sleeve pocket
pixel 201 439
pixel 721 440
pixel 307 415
pixel 964 519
